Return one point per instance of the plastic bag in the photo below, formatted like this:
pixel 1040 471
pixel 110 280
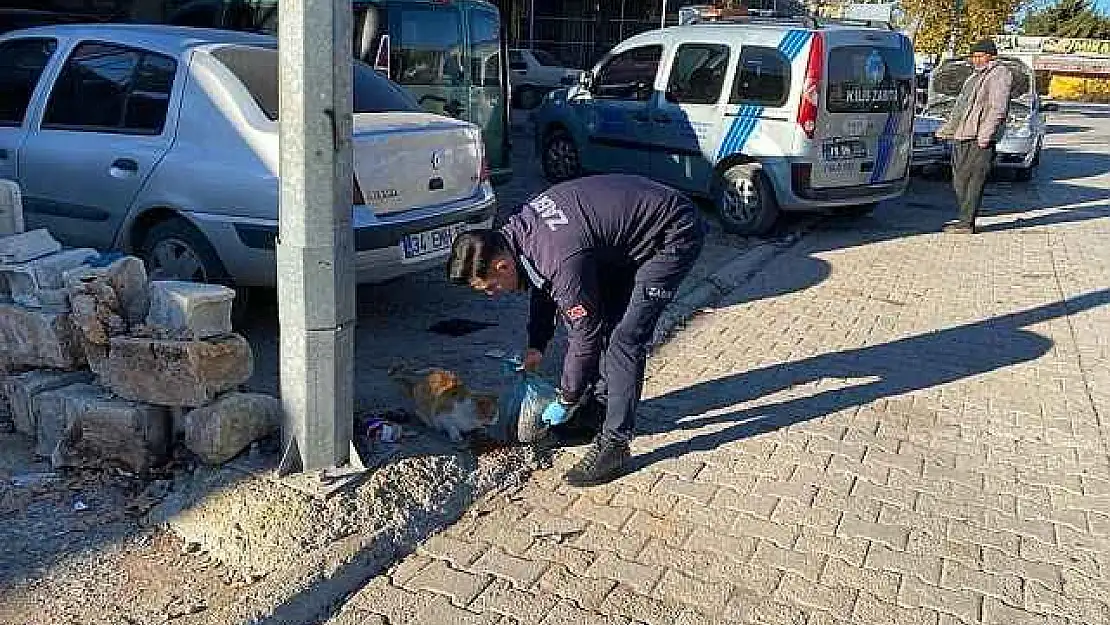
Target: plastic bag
pixel 525 402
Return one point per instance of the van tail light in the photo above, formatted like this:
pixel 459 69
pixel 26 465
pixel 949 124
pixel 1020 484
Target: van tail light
pixel 357 198
pixel 811 86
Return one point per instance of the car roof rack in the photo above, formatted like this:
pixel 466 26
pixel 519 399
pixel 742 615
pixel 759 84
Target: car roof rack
pixel 703 14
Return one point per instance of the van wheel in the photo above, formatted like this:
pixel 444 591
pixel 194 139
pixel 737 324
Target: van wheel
pixel 560 157
pixel 746 201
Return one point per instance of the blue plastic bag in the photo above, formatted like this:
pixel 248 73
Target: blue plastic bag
pixel 525 402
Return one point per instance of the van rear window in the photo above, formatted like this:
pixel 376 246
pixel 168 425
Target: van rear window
pixel 869 79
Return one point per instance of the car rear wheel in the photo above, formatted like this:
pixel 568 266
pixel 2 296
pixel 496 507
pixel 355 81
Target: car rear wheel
pixel 560 157
pixel 174 250
pixel 746 201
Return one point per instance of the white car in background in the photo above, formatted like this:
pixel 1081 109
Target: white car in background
pixel 1020 148
pixel 534 73
pixel 163 141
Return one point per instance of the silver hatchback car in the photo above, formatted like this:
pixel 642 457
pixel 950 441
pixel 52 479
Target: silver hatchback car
pixel 1020 148
pixel 164 141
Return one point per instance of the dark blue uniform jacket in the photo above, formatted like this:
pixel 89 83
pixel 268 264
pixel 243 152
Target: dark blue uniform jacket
pixel 567 240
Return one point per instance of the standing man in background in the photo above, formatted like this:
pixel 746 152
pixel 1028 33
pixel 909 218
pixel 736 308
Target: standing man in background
pixel 977 122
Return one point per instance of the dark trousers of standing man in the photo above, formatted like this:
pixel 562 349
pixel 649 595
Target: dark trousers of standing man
pixel 971 165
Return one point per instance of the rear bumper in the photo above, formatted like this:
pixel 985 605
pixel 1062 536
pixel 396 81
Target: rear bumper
pixel 795 193
pixel 1013 153
pixel 933 155
pixel 248 246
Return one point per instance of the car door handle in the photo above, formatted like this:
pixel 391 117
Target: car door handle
pixel 123 167
pixel 662 119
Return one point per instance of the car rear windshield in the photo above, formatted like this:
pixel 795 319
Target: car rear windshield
pixel 869 79
pixel 257 69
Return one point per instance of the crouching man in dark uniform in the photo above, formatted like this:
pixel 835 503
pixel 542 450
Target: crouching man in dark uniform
pixel 606 253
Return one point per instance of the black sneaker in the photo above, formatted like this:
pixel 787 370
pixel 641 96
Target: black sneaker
pixel 604 461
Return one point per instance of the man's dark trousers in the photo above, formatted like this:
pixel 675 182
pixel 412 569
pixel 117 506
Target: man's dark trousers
pixel 633 299
pixel 971 165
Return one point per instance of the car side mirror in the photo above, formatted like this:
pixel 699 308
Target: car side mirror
pixel 586 81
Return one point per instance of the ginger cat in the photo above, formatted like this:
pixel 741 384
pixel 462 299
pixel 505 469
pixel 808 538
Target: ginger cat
pixel 443 402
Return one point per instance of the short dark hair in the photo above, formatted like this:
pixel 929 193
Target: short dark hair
pixel 473 253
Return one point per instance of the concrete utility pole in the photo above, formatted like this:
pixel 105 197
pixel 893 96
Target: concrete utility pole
pixel 315 250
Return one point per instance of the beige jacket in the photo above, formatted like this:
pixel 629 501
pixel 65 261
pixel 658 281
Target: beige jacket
pixel 984 103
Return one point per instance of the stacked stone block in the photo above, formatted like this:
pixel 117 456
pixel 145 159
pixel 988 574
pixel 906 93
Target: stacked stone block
pixel 97 360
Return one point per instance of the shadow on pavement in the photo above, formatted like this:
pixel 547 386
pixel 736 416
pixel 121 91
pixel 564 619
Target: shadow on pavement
pixel 894 368
pixel 1079 214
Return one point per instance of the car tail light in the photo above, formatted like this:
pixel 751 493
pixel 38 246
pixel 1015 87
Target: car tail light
pixel 811 86
pixel 483 174
pixel 357 198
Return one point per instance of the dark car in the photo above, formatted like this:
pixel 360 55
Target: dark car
pixel 16 19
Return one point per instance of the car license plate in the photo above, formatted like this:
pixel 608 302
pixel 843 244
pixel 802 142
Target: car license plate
pixel 844 150
pixel 428 244
pixel 924 141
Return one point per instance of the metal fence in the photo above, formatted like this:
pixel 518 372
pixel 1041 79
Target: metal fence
pixel 580 40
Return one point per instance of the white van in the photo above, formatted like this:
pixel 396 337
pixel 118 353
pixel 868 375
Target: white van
pixel 760 115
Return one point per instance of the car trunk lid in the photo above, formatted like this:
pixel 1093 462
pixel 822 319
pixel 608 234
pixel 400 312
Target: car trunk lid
pixel 412 160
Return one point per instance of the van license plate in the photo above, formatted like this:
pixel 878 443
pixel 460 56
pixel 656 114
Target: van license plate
pixel 844 150
pixel 421 246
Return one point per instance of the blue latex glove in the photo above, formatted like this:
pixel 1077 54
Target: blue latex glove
pixel 554 414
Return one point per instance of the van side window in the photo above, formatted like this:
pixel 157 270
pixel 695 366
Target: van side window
pixel 629 75
pixel 762 77
pixel 698 73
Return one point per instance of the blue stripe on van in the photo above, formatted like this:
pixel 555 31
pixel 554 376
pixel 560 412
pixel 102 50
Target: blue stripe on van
pixel 794 42
pixel 743 125
pixel 886 147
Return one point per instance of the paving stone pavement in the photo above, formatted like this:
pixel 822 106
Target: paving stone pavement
pixel 886 425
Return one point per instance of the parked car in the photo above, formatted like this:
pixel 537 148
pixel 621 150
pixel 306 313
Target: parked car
pixel 1021 146
pixel 761 116
pixel 163 141
pixel 533 73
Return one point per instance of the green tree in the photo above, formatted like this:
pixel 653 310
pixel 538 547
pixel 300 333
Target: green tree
pixel 1067 18
pixel 972 20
